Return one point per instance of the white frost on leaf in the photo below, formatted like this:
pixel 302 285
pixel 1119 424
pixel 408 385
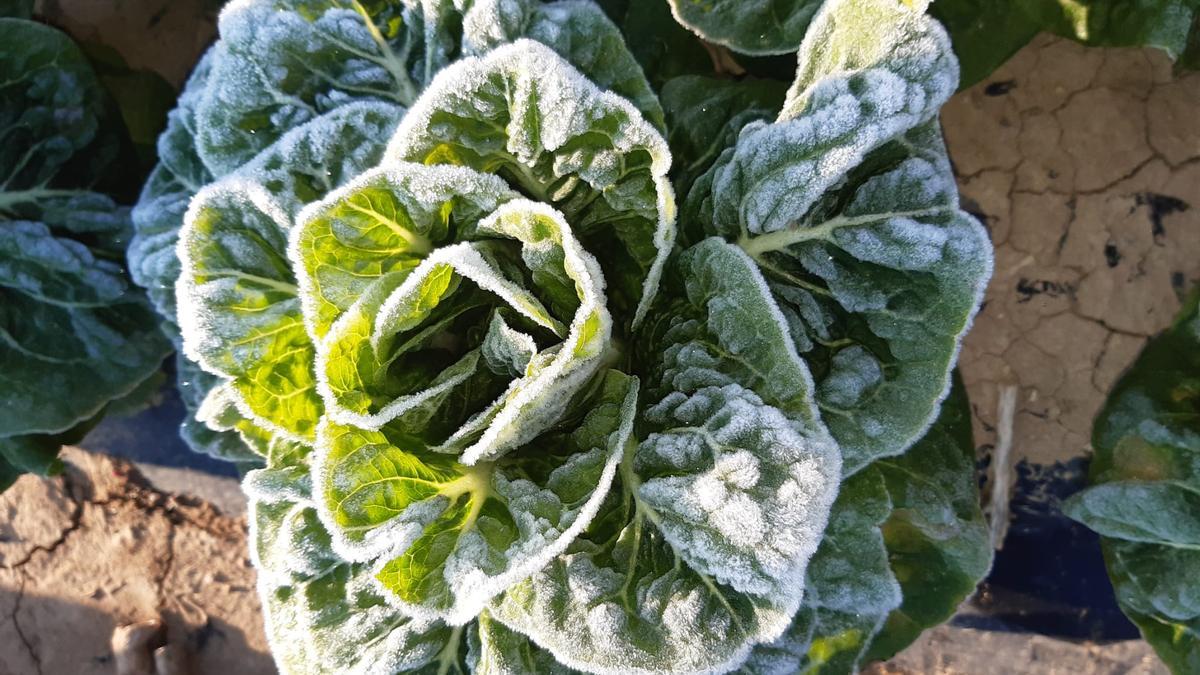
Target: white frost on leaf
pixel 545 108
pixel 743 495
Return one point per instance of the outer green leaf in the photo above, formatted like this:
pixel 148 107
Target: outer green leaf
pixel 905 545
pixel 58 139
pixel 1144 501
pixel 38 453
pixel 443 537
pixel 159 213
pixel 848 593
pixel 937 539
pixel 282 63
pixel 525 114
pixel 721 505
pixel 323 614
pixel 213 424
pixel 239 310
pixel 750 26
pixel 241 315
pixel 497 650
pixel 705 115
pixel 848 205
pixel 577 30
pixel 73 334
pixel 738 471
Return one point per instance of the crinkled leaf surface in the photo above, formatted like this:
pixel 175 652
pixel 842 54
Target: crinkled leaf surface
pixel 720 506
pixel 494 649
pixel 578 30
pixel 159 212
pixel 444 537
pixel 324 615
pixel 282 63
pixel 704 116
pixel 239 308
pixel 1145 498
pixel 241 314
pixel 847 203
pixel 906 544
pixel 527 115
pixel 74 334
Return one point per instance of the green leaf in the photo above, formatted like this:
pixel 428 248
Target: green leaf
pixel 195 388
pixel 757 27
pixel 705 115
pixel 325 615
pixel 159 213
pixel 17 9
pixel 848 205
pixel 66 348
pixel 578 30
pixel 280 64
pixel 494 649
pixel 239 309
pixel 1145 495
pixel 381 280
pixel 241 317
pixel 938 543
pixel 442 537
pixel 59 139
pixel 719 507
pixel 74 335
pixel 906 543
pixel 596 160
pixel 665 49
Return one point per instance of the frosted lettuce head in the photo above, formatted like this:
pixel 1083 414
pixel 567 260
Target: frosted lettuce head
pixel 506 424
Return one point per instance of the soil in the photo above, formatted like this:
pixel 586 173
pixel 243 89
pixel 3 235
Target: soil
pixel 97 548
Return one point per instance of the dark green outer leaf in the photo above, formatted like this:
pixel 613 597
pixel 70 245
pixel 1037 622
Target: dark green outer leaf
pixel 664 48
pixel 705 115
pixel 757 27
pixel 1145 501
pixel 906 544
pixel 848 204
pixel 17 9
pixel 73 334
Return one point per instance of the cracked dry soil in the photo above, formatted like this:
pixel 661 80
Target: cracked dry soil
pixel 98 547
pixel 1083 163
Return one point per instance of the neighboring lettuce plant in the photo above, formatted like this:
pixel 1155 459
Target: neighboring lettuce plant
pixel 75 335
pixel 513 414
pixel 1145 494
pixel 985 32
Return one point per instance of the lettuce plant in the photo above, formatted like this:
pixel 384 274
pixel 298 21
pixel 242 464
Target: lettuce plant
pixel 75 335
pixel 516 410
pixel 1145 497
